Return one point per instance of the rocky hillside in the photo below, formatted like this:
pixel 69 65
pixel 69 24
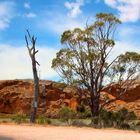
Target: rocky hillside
pixel 16 97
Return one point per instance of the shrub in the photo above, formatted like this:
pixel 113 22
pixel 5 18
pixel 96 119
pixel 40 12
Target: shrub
pixel 106 118
pixel 87 113
pixel 65 113
pixel 43 120
pixel 95 121
pixel 81 108
pixel 20 119
pixel 114 119
pixel 131 116
pixel 125 126
pixel 78 123
pixel 84 115
pixel 123 115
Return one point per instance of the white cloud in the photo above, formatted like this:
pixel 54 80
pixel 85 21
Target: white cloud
pixel 111 3
pixel 74 7
pixel 122 47
pixel 6 13
pixel 27 5
pixel 30 15
pixel 58 21
pixel 16 63
pixel 129 10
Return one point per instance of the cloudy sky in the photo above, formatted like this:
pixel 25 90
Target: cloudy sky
pixel 47 19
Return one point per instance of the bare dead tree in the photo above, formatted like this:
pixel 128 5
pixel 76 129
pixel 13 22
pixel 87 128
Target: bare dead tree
pixel 32 52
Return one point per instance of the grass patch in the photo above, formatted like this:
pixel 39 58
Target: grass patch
pixel 43 120
pixel 20 119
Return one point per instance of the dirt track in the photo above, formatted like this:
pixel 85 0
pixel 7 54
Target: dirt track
pixel 24 132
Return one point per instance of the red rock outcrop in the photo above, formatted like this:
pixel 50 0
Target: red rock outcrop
pixel 16 97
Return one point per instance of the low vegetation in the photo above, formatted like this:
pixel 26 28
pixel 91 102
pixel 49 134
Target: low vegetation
pixel 123 119
pixel 43 120
pixel 20 119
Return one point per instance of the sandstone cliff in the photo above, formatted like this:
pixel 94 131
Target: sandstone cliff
pixel 16 97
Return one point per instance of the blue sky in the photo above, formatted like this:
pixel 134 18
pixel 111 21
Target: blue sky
pixel 47 19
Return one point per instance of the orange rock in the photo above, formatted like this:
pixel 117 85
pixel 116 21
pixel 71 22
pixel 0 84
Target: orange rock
pixel 73 103
pixel 16 96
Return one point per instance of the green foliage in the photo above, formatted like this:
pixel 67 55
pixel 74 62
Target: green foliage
pixel 83 111
pixel 114 119
pixel 20 119
pixel 84 63
pixel 87 113
pixel 65 114
pixel 107 17
pixel 124 126
pixel 78 122
pixel 66 36
pixel 82 49
pixel 125 115
pixel 126 67
pixel 81 108
pixel 43 120
pixel 130 56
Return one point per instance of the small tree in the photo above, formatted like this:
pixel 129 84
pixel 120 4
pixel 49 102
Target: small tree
pixel 122 74
pixel 32 52
pixel 84 61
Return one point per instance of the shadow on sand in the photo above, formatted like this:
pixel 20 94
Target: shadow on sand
pixel 5 138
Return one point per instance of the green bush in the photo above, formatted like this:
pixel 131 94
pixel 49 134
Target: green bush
pixel 83 112
pixel 124 126
pixel 66 114
pixel 79 123
pixel 81 108
pixel 114 119
pixel 43 120
pixel 95 121
pixel 20 119
pixel 123 116
pixel 87 113
pixel 105 119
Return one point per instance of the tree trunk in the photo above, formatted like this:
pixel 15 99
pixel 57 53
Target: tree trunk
pixel 95 105
pixel 36 93
pixel 32 52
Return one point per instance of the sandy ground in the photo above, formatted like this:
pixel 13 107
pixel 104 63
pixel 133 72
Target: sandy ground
pixel 25 132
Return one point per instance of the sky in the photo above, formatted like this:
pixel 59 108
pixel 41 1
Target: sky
pixel 47 20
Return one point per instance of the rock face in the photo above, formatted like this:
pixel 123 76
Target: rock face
pixel 129 100
pixel 16 97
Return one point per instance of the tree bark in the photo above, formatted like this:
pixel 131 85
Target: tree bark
pixel 95 103
pixel 36 94
pixel 32 52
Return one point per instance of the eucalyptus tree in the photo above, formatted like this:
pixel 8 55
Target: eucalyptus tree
pixel 84 61
pixel 124 72
pixel 31 40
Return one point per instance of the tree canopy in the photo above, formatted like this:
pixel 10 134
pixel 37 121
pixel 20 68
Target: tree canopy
pixel 84 63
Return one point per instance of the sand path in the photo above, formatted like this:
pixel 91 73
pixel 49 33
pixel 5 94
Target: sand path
pixel 26 132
